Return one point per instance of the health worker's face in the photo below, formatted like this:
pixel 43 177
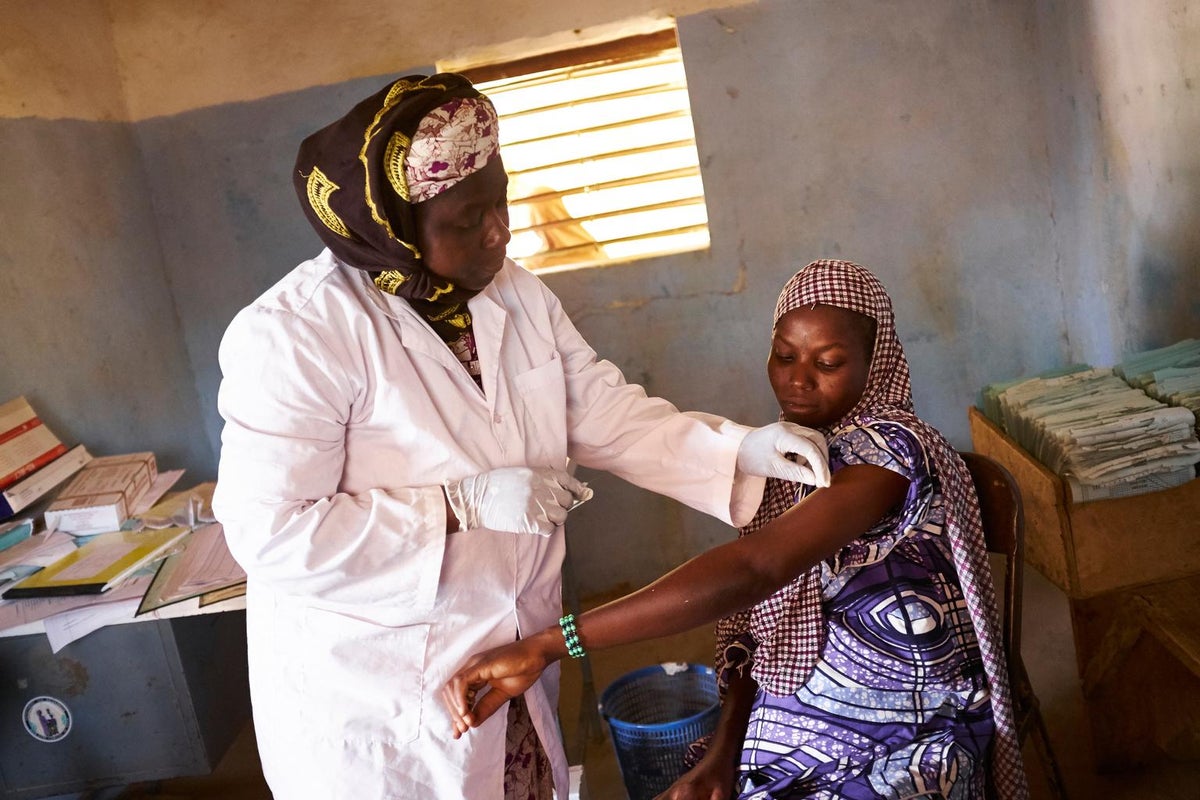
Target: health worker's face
pixel 462 233
pixel 820 358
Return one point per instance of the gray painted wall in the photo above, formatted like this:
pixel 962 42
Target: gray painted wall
pixel 92 338
pixel 1122 88
pixel 840 130
pixel 959 149
pixel 230 223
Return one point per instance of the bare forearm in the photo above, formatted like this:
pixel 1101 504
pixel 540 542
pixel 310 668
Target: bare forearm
pixel 738 574
pixel 744 572
pixel 714 584
pixel 730 733
pixel 696 593
pixel 690 595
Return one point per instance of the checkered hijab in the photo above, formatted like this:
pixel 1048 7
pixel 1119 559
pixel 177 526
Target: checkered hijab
pixel 789 626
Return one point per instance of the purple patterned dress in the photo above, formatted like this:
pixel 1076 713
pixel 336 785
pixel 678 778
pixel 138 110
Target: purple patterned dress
pixel 897 704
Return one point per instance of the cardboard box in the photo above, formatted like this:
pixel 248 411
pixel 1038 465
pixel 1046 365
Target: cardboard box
pixel 98 499
pixel 1090 548
pixel 26 444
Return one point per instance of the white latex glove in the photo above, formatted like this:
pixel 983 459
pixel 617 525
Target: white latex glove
pixel 788 451
pixel 516 499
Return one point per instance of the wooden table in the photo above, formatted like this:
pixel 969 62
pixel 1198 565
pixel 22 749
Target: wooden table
pixel 1130 568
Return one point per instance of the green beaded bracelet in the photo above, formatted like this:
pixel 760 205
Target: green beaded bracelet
pixel 571 636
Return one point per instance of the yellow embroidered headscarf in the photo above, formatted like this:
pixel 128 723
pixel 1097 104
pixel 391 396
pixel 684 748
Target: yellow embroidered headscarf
pixel 359 178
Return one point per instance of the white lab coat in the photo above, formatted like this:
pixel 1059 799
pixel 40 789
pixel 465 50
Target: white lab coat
pixel 343 414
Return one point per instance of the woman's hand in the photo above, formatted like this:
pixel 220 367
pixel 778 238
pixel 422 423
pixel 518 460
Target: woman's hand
pixel 711 779
pixel 787 451
pixel 490 679
pixel 715 776
pixel 532 500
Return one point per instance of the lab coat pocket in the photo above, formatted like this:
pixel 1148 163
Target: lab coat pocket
pixel 370 677
pixel 541 406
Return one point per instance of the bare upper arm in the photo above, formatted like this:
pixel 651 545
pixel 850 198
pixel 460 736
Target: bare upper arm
pixel 826 521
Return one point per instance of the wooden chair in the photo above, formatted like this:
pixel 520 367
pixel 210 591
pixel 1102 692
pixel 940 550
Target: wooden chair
pixel 1004 531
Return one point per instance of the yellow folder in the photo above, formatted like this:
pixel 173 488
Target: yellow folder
pixel 100 564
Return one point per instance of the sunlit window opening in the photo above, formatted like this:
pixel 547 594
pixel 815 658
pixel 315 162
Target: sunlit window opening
pixel 602 159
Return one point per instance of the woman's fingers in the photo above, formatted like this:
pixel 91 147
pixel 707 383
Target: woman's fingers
pixel 471 700
pixel 488 704
pixel 458 699
pixel 490 679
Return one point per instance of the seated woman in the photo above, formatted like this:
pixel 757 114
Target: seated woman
pixel 868 664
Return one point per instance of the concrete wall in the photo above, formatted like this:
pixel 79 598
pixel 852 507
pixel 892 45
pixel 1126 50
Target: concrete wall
pixel 958 148
pixel 1122 84
pixel 89 324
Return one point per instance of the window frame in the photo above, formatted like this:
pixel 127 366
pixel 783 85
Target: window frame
pixel 596 56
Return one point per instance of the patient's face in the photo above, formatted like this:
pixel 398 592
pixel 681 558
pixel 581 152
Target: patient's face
pixel 820 358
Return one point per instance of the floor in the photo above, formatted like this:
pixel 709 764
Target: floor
pixel 1048 653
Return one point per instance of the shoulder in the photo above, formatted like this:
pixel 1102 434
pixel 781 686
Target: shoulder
pixel 317 293
pixel 879 442
pixel 310 303
pixel 322 279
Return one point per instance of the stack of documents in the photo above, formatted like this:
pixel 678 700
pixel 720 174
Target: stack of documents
pixel 200 567
pixel 989 396
pixel 1102 436
pixel 1171 374
pixel 97 566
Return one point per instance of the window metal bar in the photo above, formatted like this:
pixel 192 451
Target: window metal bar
pixel 626 49
pixel 619 212
pixel 610 154
pixel 641 236
pixel 596 128
pixel 579 102
pixel 666 175
pixel 656 234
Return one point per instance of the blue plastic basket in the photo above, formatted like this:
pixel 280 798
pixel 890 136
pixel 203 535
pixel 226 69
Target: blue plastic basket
pixel 653 714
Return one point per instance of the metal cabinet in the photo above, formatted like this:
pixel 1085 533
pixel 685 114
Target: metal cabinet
pixel 139 701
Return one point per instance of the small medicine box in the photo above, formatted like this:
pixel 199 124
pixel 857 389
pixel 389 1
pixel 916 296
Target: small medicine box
pixel 100 497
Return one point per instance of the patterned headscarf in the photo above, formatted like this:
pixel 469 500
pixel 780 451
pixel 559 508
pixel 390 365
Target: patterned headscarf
pixel 359 178
pixel 791 620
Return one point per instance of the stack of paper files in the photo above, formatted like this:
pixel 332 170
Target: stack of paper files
pixel 201 566
pixel 1171 374
pixel 989 396
pixel 103 562
pixel 31 554
pixel 1104 437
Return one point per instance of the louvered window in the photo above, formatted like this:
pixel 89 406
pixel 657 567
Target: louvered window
pixel 600 151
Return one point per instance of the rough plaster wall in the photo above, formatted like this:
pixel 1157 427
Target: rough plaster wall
pixel 89 322
pixel 1150 112
pixel 1150 109
pixel 1123 110
pixel 57 60
pixel 1073 151
pixel 219 51
pixel 874 141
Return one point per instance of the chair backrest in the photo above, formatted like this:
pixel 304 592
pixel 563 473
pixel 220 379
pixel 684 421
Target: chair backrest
pixel 1004 530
